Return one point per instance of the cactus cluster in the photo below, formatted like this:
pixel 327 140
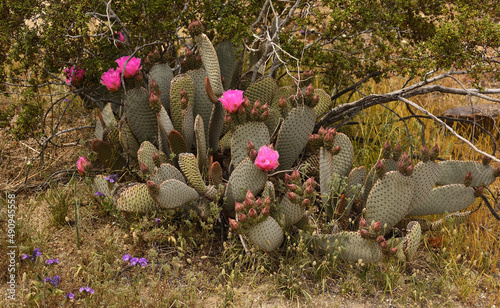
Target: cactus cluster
pixel 178 130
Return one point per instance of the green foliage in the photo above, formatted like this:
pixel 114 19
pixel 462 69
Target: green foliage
pixel 59 201
pixel 28 121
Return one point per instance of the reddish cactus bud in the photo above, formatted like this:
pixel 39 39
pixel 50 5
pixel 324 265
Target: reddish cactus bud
pixel 250 146
pixel 393 251
pixel 249 195
pixel 242 217
pixel 241 109
pixel 335 150
pixel 265 211
pixel 154 87
pixel 364 233
pixel 309 90
pixel 154 102
pixel 309 190
pixel 238 207
pixel 468 179
pixel 479 192
pixel 486 160
pixel 227 117
pixel 387 150
pixel 434 153
pixel 380 169
pixel 362 223
pixel 258 203
pixel 383 245
pixel 295 175
pixel 321 132
pixel 328 137
pixel 195 28
pixel 265 115
pixel 426 154
pixel 409 170
pixel 396 153
pixel 257 104
pixel 288 178
pixel 292 196
pixel 154 188
pixel 292 187
pixel 267 201
pixel 377 226
pixel 310 181
pixel 156 159
pixel 252 213
pixel 253 154
pixel 184 103
pixel 306 202
pixel 282 102
pixel 246 102
pixel 380 239
pixel 233 224
pixel 144 168
pixel 254 113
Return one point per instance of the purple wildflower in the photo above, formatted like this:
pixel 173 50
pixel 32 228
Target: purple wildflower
pixel 157 220
pixel 36 253
pixel 52 261
pixel 70 296
pixel 126 257
pixel 53 281
pixel 133 261
pixel 87 289
pixel 99 194
pixel 143 262
pixel 112 178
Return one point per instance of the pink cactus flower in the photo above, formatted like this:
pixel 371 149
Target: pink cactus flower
pixel 75 75
pixel 232 100
pixel 132 67
pixel 83 165
pixel 267 159
pixel 111 79
pixel 120 36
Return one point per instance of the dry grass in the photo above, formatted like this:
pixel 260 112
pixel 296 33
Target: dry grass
pixel 190 265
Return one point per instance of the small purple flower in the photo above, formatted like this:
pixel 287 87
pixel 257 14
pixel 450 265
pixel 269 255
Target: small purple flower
pixel 52 261
pixel 70 296
pixel 36 253
pixel 143 262
pixel 112 178
pixel 157 220
pixel 87 289
pixel 99 194
pixel 133 261
pixel 126 257
pixel 53 281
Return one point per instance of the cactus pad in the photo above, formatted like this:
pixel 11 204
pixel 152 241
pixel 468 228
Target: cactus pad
pixel 446 199
pixel 324 104
pixel 262 90
pixel 292 212
pixel 425 176
pixel 104 186
pixel 134 198
pixel 174 193
pixel 408 247
pixel 256 132
pixel 211 62
pixel 145 154
pixel 166 172
pixel 267 235
pixel 140 117
pixel 453 172
pixel 189 166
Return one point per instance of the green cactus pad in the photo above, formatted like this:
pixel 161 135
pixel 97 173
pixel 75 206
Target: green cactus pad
pixel 312 163
pixel 215 126
pixel 408 248
pixel 454 172
pixel 292 212
pixel 267 235
pixel 107 155
pixel 201 145
pixel 162 74
pixel 99 130
pixel 165 126
pixel 326 174
pixel 211 62
pixel 189 167
pixel 181 81
pixel 140 117
pixel 227 60
pixel 354 184
pixel 446 199
pixel 246 176
pixel 100 184
pixel 425 176
pixel 324 104
pixel 188 125
pixel 342 162
pixel 256 132
pixel 371 178
pixel 262 90
pixel 451 220
pixel 134 198
pixel 389 199
pixel 202 104
pixel 166 172
pixel 174 193
pixel 294 134
pixel 350 246
pixel 177 143
pixel 108 117
pixel 145 154
pixel 127 140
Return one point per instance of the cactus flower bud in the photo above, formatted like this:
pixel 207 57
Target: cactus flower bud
pixel 154 188
pixel 328 137
pixel 468 179
pixel 434 152
pixel 154 87
pixel 156 159
pixel 409 170
pixel 321 132
pixel 282 102
pixel 238 207
pixel 486 160
pixel 479 192
pixel 295 175
pixel 396 153
pixel 309 190
pixel 267 201
pixel 233 224
pixel 364 233
pixel 252 213
pixel 380 169
pixel 252 154
pixel 195 28
pixel 426 155
pixel 242 217
pixel 306 202
pixel 393 251
pixel 254 113
pixel 144 168
pixel 292 187
pixel 83 166
pixel 154 102
pixel 309 90
pixel 246 102
pixel 265 115
pixel 335 150
pixel 258 203
pixel 288 178
pixel 257 104
pixel 227 117
pixel 377 226
pixel 362 223
pixel 292 196
pixel 265 211
pixel 380 239
pixel 249 195
pixel 386 150
pixel 383 244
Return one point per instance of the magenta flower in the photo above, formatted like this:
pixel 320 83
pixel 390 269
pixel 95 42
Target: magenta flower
pixel 75 75
pixel 132 67
pixel 83 165
pixel 232 100
pixel 112 79
pixel 120 36
pixel 267 158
